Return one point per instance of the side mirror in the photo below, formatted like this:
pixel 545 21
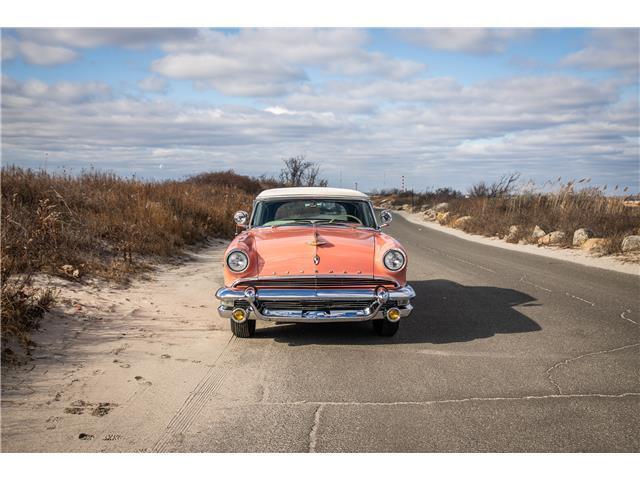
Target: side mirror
pixel 241 218
pixel 386 218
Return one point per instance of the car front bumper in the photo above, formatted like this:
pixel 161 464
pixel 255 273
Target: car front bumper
pixel 315 305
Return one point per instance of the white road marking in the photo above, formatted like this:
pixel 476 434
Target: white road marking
pixel 628 319
pixel 534 285
pixel 581 299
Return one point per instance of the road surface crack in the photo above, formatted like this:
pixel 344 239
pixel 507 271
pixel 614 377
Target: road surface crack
pixel 622 315
pixel 313 434
pixel 550 370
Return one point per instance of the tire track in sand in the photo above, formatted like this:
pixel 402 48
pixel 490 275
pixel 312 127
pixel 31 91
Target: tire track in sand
pixel 197 399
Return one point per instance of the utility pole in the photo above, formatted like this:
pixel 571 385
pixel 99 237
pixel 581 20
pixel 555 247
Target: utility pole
pixel 356 185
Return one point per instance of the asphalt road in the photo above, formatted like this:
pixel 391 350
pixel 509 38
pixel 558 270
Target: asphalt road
pixel 505 351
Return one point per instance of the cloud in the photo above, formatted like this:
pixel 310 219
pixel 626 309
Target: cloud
pixel 9 48
pixel 432 130
pixel 35 53
pixel 273 62
pixel 96 37
pixel 466 40
pixel 56 46
pixel 153 84
pixel 33 92
pixel 229 75
pixel 608 48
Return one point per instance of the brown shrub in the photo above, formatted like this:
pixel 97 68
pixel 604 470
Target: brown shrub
pixel 105 225
pixel 565 210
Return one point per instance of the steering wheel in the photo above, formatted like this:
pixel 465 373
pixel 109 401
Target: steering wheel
pixel 348 216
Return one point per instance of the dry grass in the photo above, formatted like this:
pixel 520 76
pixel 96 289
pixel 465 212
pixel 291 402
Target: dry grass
pixel 97 223
pixel 565 209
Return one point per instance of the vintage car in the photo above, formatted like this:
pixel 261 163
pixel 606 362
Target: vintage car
pixel 314 255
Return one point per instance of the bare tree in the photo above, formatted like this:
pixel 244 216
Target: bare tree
pixel 500 188
pixel 298 172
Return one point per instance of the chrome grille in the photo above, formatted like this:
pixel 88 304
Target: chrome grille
pixel 316 282
pixel 313 304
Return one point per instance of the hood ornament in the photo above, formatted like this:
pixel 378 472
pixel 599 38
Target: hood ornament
pixel 316 259
pixel 316 242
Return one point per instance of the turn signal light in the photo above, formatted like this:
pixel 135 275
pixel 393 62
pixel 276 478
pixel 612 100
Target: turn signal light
pixel 239 315
pixel 393 314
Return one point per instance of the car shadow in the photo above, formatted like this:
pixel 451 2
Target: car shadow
pixel 444 312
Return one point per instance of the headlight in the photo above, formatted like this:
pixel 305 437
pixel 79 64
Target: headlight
pixel 394 260
pixel 237 261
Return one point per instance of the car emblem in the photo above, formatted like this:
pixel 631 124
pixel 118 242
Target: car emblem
pixel 316 260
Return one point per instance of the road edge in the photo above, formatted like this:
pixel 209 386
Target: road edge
pixel 574 256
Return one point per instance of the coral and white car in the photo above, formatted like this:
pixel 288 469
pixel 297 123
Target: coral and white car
pixel 314 255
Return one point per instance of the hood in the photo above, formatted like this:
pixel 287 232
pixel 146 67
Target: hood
pixel 291 250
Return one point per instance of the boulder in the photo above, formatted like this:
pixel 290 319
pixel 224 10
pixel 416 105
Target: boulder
pixel 68 269
pixel 430 215
pixel 538 232
pixel 460 222
pixel 553 238
pixel 631 243
pixel 512 237
pixel 593 244
pixel 443 217
pixel 581 235
pixel 405 207
pixel 441 207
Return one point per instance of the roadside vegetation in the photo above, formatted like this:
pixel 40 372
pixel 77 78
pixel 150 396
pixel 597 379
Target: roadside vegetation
pixel 565 214
pixel 99 224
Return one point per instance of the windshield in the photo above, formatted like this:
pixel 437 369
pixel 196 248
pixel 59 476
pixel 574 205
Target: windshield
pixel 308 212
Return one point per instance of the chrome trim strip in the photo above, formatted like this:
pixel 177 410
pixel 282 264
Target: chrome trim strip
pixel 404 293
pixel 313 277
pixel 375 310
pixel 293 316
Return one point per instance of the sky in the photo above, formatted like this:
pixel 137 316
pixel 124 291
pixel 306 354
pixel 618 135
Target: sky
pixel 441 107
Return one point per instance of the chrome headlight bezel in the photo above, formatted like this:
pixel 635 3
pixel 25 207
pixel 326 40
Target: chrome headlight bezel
pixel 237 252
pixel 394 251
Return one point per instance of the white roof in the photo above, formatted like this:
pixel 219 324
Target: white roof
pixel 312 192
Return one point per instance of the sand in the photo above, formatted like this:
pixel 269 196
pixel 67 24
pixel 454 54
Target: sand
pixel 113 365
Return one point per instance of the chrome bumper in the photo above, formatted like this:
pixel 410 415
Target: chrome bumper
pixel 257 303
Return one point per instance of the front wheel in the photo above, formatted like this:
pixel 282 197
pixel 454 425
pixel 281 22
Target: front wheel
pixel 245 329
pixel 385 328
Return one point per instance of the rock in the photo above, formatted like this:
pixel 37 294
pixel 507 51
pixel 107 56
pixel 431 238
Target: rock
pixel 406 207
pixel 460 222
pixel 68 269
pixel 631 243
pixel 430 215
pixel 513 234
pixel 76 273
pixel 443 217
pixel 441 207
pixel 593 245
pixel 538 232
pixel 553 238
pixel 581 235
